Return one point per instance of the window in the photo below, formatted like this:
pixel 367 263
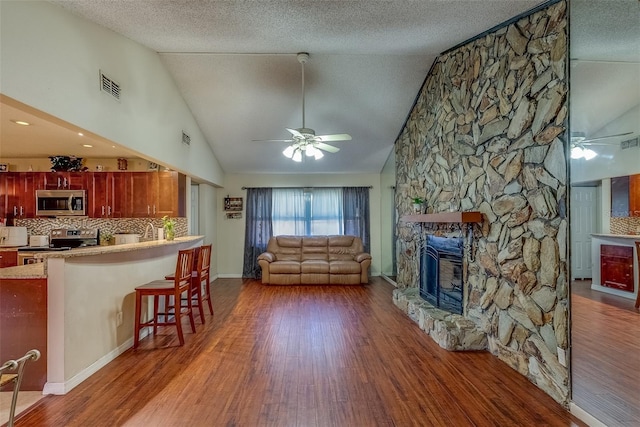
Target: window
pixel 307 212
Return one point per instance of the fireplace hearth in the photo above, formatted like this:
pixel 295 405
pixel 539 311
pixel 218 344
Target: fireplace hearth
pixel 441 281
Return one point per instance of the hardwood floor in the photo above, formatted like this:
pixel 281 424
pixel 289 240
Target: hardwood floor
pixel 605 355
pixel 301 356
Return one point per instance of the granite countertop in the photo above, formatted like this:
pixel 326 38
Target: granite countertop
pixel 29 271
pixel 99 250
pixel 618 236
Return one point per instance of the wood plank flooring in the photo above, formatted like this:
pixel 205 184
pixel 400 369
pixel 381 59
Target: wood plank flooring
pixel 301 356
pixel 606 355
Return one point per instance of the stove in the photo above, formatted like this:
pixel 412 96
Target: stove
pixel 73 237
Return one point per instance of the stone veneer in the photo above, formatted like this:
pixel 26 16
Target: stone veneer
pixel 488 133
pixel 42 226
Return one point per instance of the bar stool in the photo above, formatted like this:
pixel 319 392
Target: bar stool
pixel 166 288
pixel 200 274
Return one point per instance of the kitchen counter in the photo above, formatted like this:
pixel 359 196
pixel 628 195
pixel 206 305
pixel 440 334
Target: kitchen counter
pixel 30 271
pixel 618 236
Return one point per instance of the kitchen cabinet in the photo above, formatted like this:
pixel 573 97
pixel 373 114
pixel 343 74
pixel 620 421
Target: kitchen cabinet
pixel 155 194
pixel 620 196
pixel 106 195
pixel 616 267
pixel 8 259
pixel 19 199
pixel 62 180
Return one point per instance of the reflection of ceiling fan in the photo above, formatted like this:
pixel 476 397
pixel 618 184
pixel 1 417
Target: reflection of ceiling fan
pixel 580 142
pixel 305 140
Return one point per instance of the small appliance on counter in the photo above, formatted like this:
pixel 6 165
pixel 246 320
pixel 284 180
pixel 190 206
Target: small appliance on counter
pixel 39 241
pixel 13 236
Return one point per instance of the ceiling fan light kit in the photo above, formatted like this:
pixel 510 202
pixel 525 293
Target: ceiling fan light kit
pixel 305 139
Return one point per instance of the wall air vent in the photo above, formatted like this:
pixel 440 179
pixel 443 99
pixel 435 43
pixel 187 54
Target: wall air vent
pixel 634 142
pixel 109 86
pixel 186 139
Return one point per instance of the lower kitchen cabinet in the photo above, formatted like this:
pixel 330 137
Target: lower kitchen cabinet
pixel 616 267
pixel 8 259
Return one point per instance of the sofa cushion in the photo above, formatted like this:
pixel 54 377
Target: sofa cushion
pixel 314 248
pixel 314 266
pixel 286 248
pixel 344 247
pixel 285 267
pixel 344 267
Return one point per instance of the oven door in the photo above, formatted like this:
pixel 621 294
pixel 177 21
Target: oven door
pixel 26 258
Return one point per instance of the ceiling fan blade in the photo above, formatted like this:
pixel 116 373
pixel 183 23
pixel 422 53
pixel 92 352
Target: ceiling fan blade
pixel 272 140
pixel 605 137
pixel 326 147
pixel 334 137
pixel 294 132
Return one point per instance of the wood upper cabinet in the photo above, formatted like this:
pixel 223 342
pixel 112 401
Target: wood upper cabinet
pixel 18 195
pixel 106 195
pixel 154 194
pixel 63 180
pixel 634 195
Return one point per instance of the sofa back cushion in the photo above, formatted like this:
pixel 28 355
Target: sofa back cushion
pixel 285 248
pixel 315 247
pixel 344 247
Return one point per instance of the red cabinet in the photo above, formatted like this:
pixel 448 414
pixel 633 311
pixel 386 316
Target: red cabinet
pixel 155 194
pixel 18 195
pixel 106 195
pixel 8 259
pixel 616 267
pixel 62 180
pixel 634 195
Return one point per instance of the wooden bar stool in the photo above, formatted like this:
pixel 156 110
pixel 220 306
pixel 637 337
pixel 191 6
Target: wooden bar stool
pixel 166 288
pixel 200 274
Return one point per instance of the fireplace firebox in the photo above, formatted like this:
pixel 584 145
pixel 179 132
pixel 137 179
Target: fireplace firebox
pixel 441 281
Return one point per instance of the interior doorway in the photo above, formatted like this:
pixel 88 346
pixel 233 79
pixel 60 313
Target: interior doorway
pixel 584 209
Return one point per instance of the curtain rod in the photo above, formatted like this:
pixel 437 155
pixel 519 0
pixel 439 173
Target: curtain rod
pixel 360 186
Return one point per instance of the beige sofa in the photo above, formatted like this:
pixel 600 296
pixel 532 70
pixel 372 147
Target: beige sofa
pixel 314 260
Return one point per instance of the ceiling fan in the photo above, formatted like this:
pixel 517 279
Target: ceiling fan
pixel 304 140
pixel 580 142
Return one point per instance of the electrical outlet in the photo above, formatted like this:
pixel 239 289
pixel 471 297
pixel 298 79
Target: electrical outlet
pixel 562 358
pixel 119 318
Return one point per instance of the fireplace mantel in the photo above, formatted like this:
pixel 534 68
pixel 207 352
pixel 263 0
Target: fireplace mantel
pixel 449 217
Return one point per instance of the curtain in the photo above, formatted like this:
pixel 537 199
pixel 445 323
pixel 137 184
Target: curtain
pixel 289 212
pixel 355 202
pixel 258 229
pixel 326 212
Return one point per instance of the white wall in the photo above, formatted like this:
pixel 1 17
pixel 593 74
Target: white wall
pixel 208 216
pixel 51 61
pixel 231 231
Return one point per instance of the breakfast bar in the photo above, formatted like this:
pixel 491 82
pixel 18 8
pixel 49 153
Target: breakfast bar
pixel 90 302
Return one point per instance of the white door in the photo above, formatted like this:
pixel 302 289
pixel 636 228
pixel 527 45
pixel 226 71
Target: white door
pixel 194 220
pixel 583 223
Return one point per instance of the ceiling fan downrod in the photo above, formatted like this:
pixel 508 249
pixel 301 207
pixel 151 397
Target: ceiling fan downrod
pixel 303 57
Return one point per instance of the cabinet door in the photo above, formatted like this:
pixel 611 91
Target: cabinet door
pixel 12 209
pixel 634 195
pixel 3 195
pixel 27 194
pixel 143 194
pixel 616 267
pixel 75 181
pixel 97 195
pixel 167 201
pixel 120 183
pixel 8 258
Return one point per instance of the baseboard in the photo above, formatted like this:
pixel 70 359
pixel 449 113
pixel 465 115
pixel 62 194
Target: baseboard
pixel 388 279
pixel 230 276
pixel 67 386
pixel 584 416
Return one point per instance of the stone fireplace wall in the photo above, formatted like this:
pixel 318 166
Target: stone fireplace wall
pixel 488 133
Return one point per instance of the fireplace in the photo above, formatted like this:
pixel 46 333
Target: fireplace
pixel 441 273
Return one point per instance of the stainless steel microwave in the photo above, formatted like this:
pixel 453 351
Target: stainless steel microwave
pixel 61 203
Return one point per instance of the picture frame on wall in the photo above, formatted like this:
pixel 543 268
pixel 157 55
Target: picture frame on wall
pixel 4 167
pixel 153 166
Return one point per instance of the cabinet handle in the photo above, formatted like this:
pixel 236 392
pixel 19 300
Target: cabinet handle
pixel 154 209
pixel 21 211
pixel 15 211
pixel 109 210
pixel 58 182
pixel 64 183
pixel 148 210
pixel 102 210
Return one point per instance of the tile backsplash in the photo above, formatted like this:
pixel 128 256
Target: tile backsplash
pixel 625 225
pixel 42 226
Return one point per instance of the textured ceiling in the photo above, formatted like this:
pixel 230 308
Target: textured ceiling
pixel 235 64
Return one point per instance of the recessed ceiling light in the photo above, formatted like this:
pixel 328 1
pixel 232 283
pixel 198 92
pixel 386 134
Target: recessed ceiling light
pixel 21 122
pixel 87 145
pixel 80 134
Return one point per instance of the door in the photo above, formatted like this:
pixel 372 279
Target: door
pixel 583 223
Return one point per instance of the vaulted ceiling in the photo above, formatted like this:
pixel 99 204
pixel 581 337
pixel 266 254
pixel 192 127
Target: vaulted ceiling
pixel 235 64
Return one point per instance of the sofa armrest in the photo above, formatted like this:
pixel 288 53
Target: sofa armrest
pixel 267 256
pixel 362 256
